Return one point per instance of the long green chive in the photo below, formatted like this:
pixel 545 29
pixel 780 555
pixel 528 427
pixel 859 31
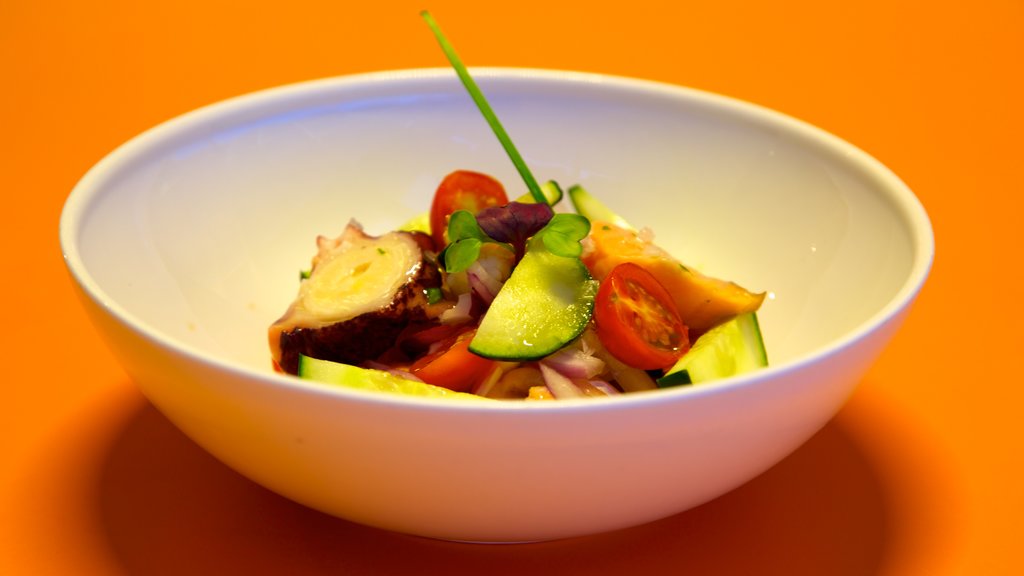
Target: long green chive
pixel 485 109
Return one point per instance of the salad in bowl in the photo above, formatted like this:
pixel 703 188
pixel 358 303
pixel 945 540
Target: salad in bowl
pixel 512 299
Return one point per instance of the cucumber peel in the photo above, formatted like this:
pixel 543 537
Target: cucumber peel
pixel 544 305
pixel 551 191
pixel 593 209
pixel 418 223
pixel 348 376
pixel 731 348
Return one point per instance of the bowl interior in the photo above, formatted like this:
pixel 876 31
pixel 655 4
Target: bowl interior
pixel 198 229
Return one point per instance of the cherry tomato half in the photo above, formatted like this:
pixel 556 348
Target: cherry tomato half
pixel 454 366
pixel 462 190
pixel 637 319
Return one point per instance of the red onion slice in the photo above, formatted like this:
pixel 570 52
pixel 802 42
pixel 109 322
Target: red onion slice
pixel 605 387
pixel 575 363
pixel 560 386
pixel 460 312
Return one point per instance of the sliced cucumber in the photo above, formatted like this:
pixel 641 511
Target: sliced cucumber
pixel 350 376
pixel 728 349
pixel 543 306
pixel 551 190
pixel 593 209
pixel 418 223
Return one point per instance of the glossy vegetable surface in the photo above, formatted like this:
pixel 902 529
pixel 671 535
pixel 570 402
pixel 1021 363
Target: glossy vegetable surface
pixel 637 320
pixel 462 190
pixel 703 301
pixel 453 366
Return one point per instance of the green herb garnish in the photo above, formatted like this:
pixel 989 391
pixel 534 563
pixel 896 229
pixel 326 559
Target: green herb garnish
pixel 485 109
pixel 561 236
pixel 434 295
pixel 465 239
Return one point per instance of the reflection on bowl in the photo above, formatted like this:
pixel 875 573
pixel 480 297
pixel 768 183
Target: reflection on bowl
pixel 185 244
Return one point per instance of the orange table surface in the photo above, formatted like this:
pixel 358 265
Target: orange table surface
pixel 919 474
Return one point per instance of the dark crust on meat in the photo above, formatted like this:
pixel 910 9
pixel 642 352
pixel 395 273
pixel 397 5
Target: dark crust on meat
pixel 366 336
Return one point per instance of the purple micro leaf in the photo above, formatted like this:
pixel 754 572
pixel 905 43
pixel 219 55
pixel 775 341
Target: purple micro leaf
pixel 515 222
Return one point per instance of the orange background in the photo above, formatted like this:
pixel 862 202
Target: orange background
pixel 920 473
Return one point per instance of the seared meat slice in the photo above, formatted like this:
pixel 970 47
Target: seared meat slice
pixel 361 293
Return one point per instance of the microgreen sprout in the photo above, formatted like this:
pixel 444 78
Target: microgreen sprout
pixel 465 239
pixel 561 236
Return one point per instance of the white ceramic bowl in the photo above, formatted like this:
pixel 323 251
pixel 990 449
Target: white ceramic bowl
pixel 186 244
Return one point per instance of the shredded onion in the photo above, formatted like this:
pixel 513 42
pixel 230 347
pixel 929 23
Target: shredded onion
pixel 628 378
pixel 560 386
pixel 605 387
pixel 460 312
pixel 480 288
pixel 498 269
pixel 576 363
pixel 483 281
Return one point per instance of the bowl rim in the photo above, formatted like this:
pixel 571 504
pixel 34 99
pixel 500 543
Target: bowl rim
pixel 908 206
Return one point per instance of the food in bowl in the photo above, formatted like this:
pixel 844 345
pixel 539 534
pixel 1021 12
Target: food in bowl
pixel 512 300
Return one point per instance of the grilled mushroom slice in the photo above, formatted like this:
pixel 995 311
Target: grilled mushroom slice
pixel 361 293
